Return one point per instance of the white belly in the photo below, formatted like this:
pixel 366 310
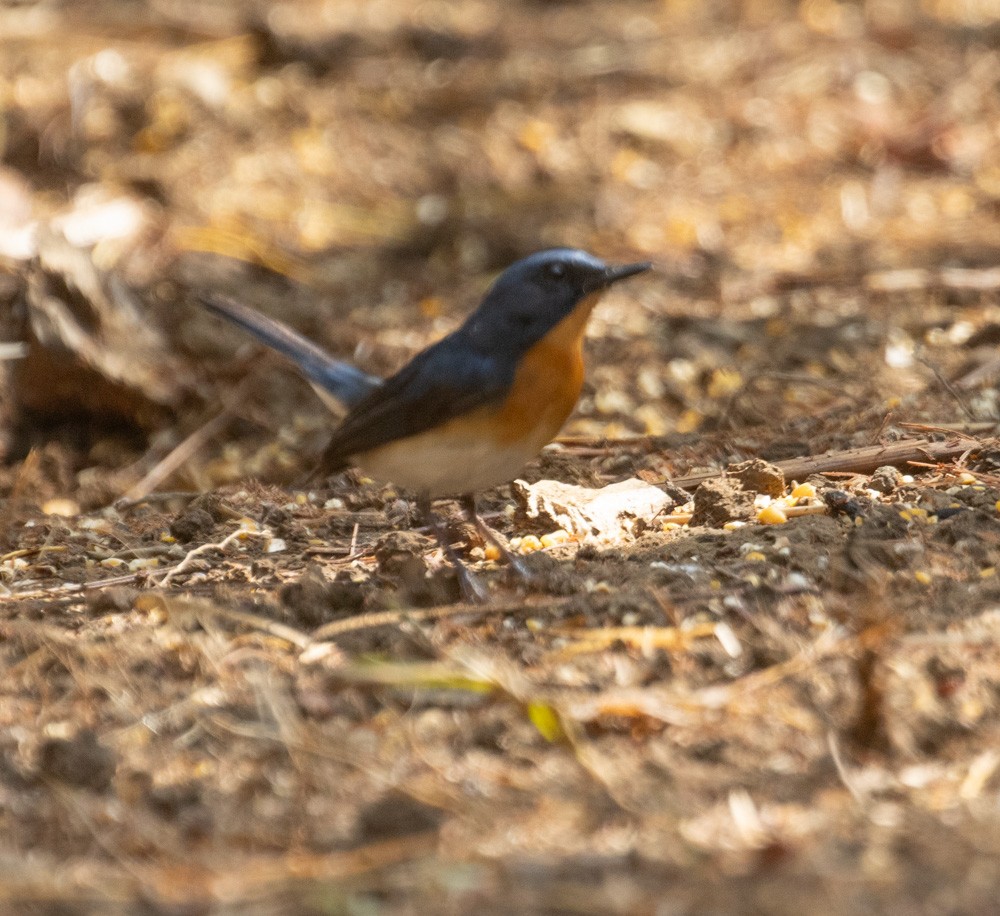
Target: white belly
pixel 448 463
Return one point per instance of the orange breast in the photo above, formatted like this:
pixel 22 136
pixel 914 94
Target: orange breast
pixel 547 383
pixel 490 445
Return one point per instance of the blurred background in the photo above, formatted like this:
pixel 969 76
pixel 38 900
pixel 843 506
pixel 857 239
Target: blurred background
pixel 804 174
pixel 816 730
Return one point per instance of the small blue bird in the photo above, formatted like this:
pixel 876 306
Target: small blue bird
pixel 472 409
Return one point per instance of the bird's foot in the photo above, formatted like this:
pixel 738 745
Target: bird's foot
pixel 520 566
pixel 516 562
pixel 473 589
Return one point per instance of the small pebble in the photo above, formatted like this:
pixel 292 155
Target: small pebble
pixel 886 479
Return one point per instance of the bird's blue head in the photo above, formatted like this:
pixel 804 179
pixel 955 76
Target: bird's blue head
pixel 534 294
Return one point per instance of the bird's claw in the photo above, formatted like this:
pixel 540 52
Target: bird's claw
pixel 471 586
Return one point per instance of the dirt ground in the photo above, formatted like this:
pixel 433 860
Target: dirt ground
pixel 225 689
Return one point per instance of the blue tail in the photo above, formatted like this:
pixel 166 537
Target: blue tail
pixel 346 383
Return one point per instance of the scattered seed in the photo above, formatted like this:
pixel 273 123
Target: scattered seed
pixel 559 536
pixel 772 515
pixel 528 544
pixel 804 491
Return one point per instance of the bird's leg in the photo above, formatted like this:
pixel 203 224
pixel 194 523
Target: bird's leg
pixel 472 589
pixel 468 503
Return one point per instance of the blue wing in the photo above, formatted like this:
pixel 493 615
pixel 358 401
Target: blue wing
pixel 346 383
pixel 446 380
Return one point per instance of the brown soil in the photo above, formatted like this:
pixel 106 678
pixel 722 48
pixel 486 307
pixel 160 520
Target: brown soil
pixel 688 718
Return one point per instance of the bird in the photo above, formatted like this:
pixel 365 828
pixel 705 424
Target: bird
pixel 469 411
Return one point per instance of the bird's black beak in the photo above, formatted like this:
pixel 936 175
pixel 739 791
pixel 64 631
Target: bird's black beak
pixel 602 279
pixel 614 274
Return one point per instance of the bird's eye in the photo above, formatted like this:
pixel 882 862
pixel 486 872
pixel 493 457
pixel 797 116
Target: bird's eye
pixel 557 271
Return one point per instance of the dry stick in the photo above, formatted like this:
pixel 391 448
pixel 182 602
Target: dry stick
pixel 30 551
pixel 853 785
pixel 263 624
pixel 395 618
pixel 220 546
pixel 981 375
pixel 944 383
pixel 968 430
pixel 164 496
pixel 186 449
pixel 174 459
pixel 248 881
pixel 71 588
pixel 858 460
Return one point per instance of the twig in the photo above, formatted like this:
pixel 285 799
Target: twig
pixel 981 375
pixel 944 383
pixel 846 777
pixel 220 546
pixel 584 641
pixel 859 460
pixel 71 588
pixel 30 551
pixel 395 618
pixel 164 496
pixel 175 458
pixel 967 430
pixel 271 627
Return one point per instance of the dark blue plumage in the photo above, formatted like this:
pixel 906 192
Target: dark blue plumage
pixel 346 383
pixel 470 410
pixel 476 364
pixel 473 367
